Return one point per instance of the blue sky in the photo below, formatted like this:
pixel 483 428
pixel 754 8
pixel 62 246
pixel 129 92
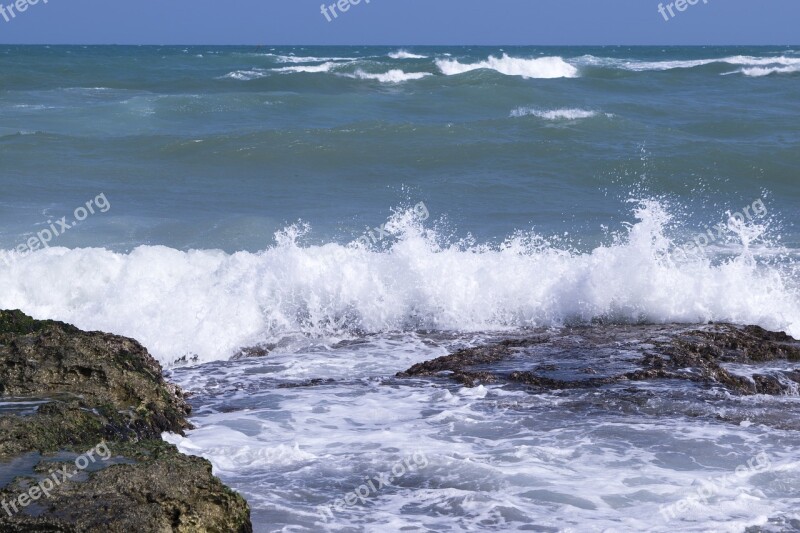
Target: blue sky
pixel 403 22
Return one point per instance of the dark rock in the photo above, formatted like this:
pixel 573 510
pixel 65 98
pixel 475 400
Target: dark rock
pixel 113 375
pixel 160 490
pixel 470 357
pixel 253 351
pixel 632 353
pixel 96 388
pixel 315 382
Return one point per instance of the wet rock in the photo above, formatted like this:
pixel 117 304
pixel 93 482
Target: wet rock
pixel 460 361
pixel 315 382
pixel 158 489
pixel 250 352
pixel 91 388
pixel 114 377
pixel 556 360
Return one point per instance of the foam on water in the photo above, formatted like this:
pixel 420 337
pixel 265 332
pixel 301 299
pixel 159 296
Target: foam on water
pixel 494 457
pixel 307 59
pixel 210 304
pixel 766 71
pixel 537 68
pixel 247 75
pixel 554 114
pixel 404 54
pixel 544 67
pixel 393 76
pixel 779 64
pixel 324 67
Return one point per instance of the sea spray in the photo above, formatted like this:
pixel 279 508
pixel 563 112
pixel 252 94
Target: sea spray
pixel 210 304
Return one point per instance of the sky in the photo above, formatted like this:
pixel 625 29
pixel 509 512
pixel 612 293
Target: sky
pixel 409 22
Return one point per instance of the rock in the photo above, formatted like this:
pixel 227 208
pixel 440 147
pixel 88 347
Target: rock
pixel 91 388
pixel 162 490
pixel 556 360
pixel 250 352
pixel 315 382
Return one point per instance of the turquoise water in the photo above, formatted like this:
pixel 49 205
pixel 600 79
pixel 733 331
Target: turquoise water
pixel 205 147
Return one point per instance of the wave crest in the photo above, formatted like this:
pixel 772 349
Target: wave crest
pixel 758 72
pixel 246 75
pixel 544 67
pixel 313 69
pixel 780 64
pixel 403 54
pixel 393 76
pixel 554 114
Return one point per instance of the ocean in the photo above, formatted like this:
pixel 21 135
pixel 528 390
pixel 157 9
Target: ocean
pixel 347 212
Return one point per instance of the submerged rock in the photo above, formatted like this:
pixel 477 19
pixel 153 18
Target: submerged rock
pixel 619 354
pixel 64 390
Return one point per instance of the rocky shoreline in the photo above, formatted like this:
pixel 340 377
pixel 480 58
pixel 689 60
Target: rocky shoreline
pixel 65 393
pixel 81 413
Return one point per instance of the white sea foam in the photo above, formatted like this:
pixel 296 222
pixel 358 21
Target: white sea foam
pixel 544 67
pixel 246 75
pixel 404 54
pixel 758 72
pixel 763 61
pixel 209 303
pixel 393 76
pixel 492 456
pixel 325 67
pixel 238 453
pixel 554 114
pixel 748 62
pixel 308 59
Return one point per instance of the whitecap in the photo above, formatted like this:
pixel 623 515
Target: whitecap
pixel 246 75
pixel 554 114
pixel 544 67
pixel 404 54
pixel 210 303
pixel 393 76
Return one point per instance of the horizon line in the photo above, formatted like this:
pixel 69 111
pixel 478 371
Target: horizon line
pixel 391 45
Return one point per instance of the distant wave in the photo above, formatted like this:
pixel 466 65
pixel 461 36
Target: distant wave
pixel 766 71
pixel 535 68
pixel 393 76
pixel 403 54
pixel 246 75
pixel 308 59
pixel 555 114
pixel 544 67
pixel 750 63
pixel 325 67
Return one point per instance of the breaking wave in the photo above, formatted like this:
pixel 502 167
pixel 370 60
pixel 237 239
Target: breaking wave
pixel 554 114
pixel 393 76
pixel 210 304
pixel 403 54
pixel 544 67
